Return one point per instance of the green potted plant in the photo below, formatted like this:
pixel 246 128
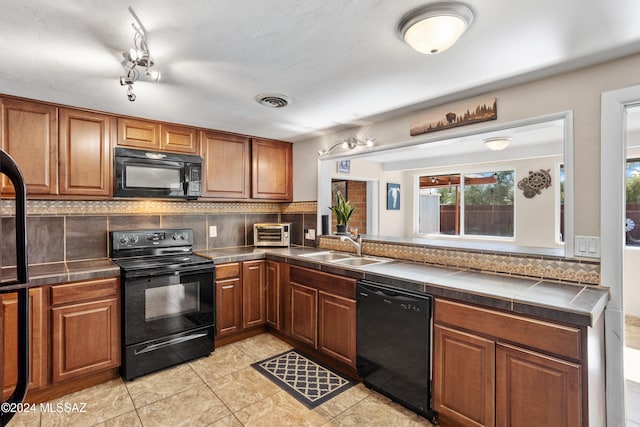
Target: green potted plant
pixel 342 211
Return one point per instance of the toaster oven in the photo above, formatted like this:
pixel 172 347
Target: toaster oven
pixel 272 234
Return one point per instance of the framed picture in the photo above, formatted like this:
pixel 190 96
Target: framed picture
pixel 393 197
pixel 338 185
pixel 344 166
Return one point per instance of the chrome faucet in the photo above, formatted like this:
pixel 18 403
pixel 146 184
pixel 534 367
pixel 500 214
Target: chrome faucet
pixel 357 243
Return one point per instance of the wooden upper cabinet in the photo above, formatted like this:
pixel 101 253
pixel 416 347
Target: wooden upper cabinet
pixel 30 136
pixel 138 134
pixel 227 165
pixel 272 170
pixel 178 138
pixel 84 153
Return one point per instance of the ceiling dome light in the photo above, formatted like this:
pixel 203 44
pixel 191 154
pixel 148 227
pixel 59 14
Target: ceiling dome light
pixel 497 143
pixel 436 27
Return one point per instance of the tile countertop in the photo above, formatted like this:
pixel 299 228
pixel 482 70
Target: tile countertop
pixel 62 272
pixel 569 303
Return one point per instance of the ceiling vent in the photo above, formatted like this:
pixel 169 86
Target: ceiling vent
pixel 273 100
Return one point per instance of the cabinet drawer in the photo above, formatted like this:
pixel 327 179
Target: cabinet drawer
pixel 84 291
pixel 549 337
pixel 227 271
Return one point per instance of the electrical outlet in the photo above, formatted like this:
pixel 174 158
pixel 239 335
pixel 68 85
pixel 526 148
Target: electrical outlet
pixel 587 246
pixel 213 231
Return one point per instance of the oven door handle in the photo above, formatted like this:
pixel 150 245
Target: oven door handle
pixel 137 274
pixel 170 342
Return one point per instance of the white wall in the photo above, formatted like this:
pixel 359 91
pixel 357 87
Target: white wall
pixel 578 91
pixel 631 290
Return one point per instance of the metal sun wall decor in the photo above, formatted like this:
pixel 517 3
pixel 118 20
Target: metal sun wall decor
pixel 535 183
pixel 480 111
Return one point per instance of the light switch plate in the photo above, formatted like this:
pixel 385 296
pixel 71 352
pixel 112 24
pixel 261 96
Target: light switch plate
pixel 310 234
pixel 213 231
pixel 587 246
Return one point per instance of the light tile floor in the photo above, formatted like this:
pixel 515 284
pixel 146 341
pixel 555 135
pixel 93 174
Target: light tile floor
pixel 220 390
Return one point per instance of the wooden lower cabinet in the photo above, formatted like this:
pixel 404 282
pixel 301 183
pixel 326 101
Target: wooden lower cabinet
pixel 463 377
pixel 304 317
pixel 481 380
pixel 534 389
pixel 322 313
pixel 336 327
pixel 253 294
pixel 228 284
pixel 85 330
pixel 37 341
pixel 240 296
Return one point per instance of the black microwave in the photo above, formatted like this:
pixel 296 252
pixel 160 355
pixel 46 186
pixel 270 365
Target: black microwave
pixel 142 173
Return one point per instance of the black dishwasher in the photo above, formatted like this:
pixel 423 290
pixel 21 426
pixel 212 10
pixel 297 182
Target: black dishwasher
pixel 393 344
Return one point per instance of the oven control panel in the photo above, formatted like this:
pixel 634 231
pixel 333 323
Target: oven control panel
pixel 140 239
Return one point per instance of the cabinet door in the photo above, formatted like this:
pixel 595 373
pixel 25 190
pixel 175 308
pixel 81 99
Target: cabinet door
pixel 86 338
pixel 138 134
pixel 228 306
pixel 37 341
pixel 227 167
pixel 253 293
pixel 337 327
pixel 272 170
pixel 85 161
pixel 177 138
pixel 272 309
pixel 536 390
pixel 463 378
pixel 304 314
pixel 30 136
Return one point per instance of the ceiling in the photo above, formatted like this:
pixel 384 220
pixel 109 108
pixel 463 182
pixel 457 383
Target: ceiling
pixel 341 62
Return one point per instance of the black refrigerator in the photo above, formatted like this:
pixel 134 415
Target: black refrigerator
pixel 15 280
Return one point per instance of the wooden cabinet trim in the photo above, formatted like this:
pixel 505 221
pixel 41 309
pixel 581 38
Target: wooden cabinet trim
pixel 556 339
pixel 84 291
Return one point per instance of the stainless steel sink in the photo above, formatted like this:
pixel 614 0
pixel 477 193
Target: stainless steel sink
pixel 359 261
pixel 327 256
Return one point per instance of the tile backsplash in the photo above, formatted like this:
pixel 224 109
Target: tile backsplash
pixel 78 230
pixel 69 230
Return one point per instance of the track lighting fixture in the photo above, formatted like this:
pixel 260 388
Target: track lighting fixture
pixel 137 56
pixel 350 143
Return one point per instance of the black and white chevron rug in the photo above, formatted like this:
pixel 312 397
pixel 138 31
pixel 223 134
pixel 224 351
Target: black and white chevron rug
pixel 309 382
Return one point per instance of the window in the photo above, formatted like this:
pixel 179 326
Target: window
pixel 632 214
pixel 473 204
